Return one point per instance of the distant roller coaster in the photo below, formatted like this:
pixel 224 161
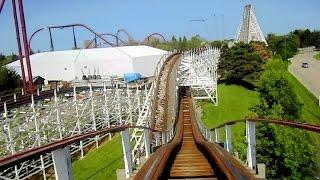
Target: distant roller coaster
pixel 150 36
pixel 49 28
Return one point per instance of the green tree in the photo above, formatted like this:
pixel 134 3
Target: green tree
pixel 173 39
pixel 276 95
pixel 240 63
pixel 286 152
pixel 9 79
pixel 195 42
pixel 307 38
pixel 283 47
pixel 2 59
pixel 217 43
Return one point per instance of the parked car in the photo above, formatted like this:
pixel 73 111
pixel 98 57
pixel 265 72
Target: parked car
pixel 305 65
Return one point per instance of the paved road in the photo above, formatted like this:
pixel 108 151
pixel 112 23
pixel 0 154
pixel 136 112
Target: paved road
pixel 309 77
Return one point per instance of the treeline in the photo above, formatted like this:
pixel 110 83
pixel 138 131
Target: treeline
pixel 7 59
pixel 286 46
pixel 9 79
pixel 184 44
pixel 307 38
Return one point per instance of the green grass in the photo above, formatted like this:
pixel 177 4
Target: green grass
pixel 310 111
pixel 234 104
pixel 100 163
pixel 317 56
pixel 235 101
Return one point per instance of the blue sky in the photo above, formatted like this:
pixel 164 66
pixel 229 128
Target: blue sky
pixel 141 17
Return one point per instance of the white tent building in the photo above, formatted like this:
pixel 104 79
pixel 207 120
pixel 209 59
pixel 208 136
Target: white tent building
pixel 73 64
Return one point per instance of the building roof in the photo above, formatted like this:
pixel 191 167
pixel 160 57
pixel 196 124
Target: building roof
pixel 71 64
pixel 107 53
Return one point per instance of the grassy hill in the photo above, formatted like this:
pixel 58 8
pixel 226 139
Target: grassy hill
pixel 235 103
pixel 310 109
pixel 100 163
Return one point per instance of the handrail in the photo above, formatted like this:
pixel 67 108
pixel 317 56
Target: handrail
pixel 66 26
pixel 11 160
pixel 284 122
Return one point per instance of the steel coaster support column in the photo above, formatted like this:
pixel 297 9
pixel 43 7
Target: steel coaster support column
pixel 127 156
pixel 62 164
pixel 30 85
pixel 147 143
pixel 251 140
pixel 93 117
pixel 74 38
pixel 19 44
pixel 51 41
pixel 228 138
pixel 217 135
